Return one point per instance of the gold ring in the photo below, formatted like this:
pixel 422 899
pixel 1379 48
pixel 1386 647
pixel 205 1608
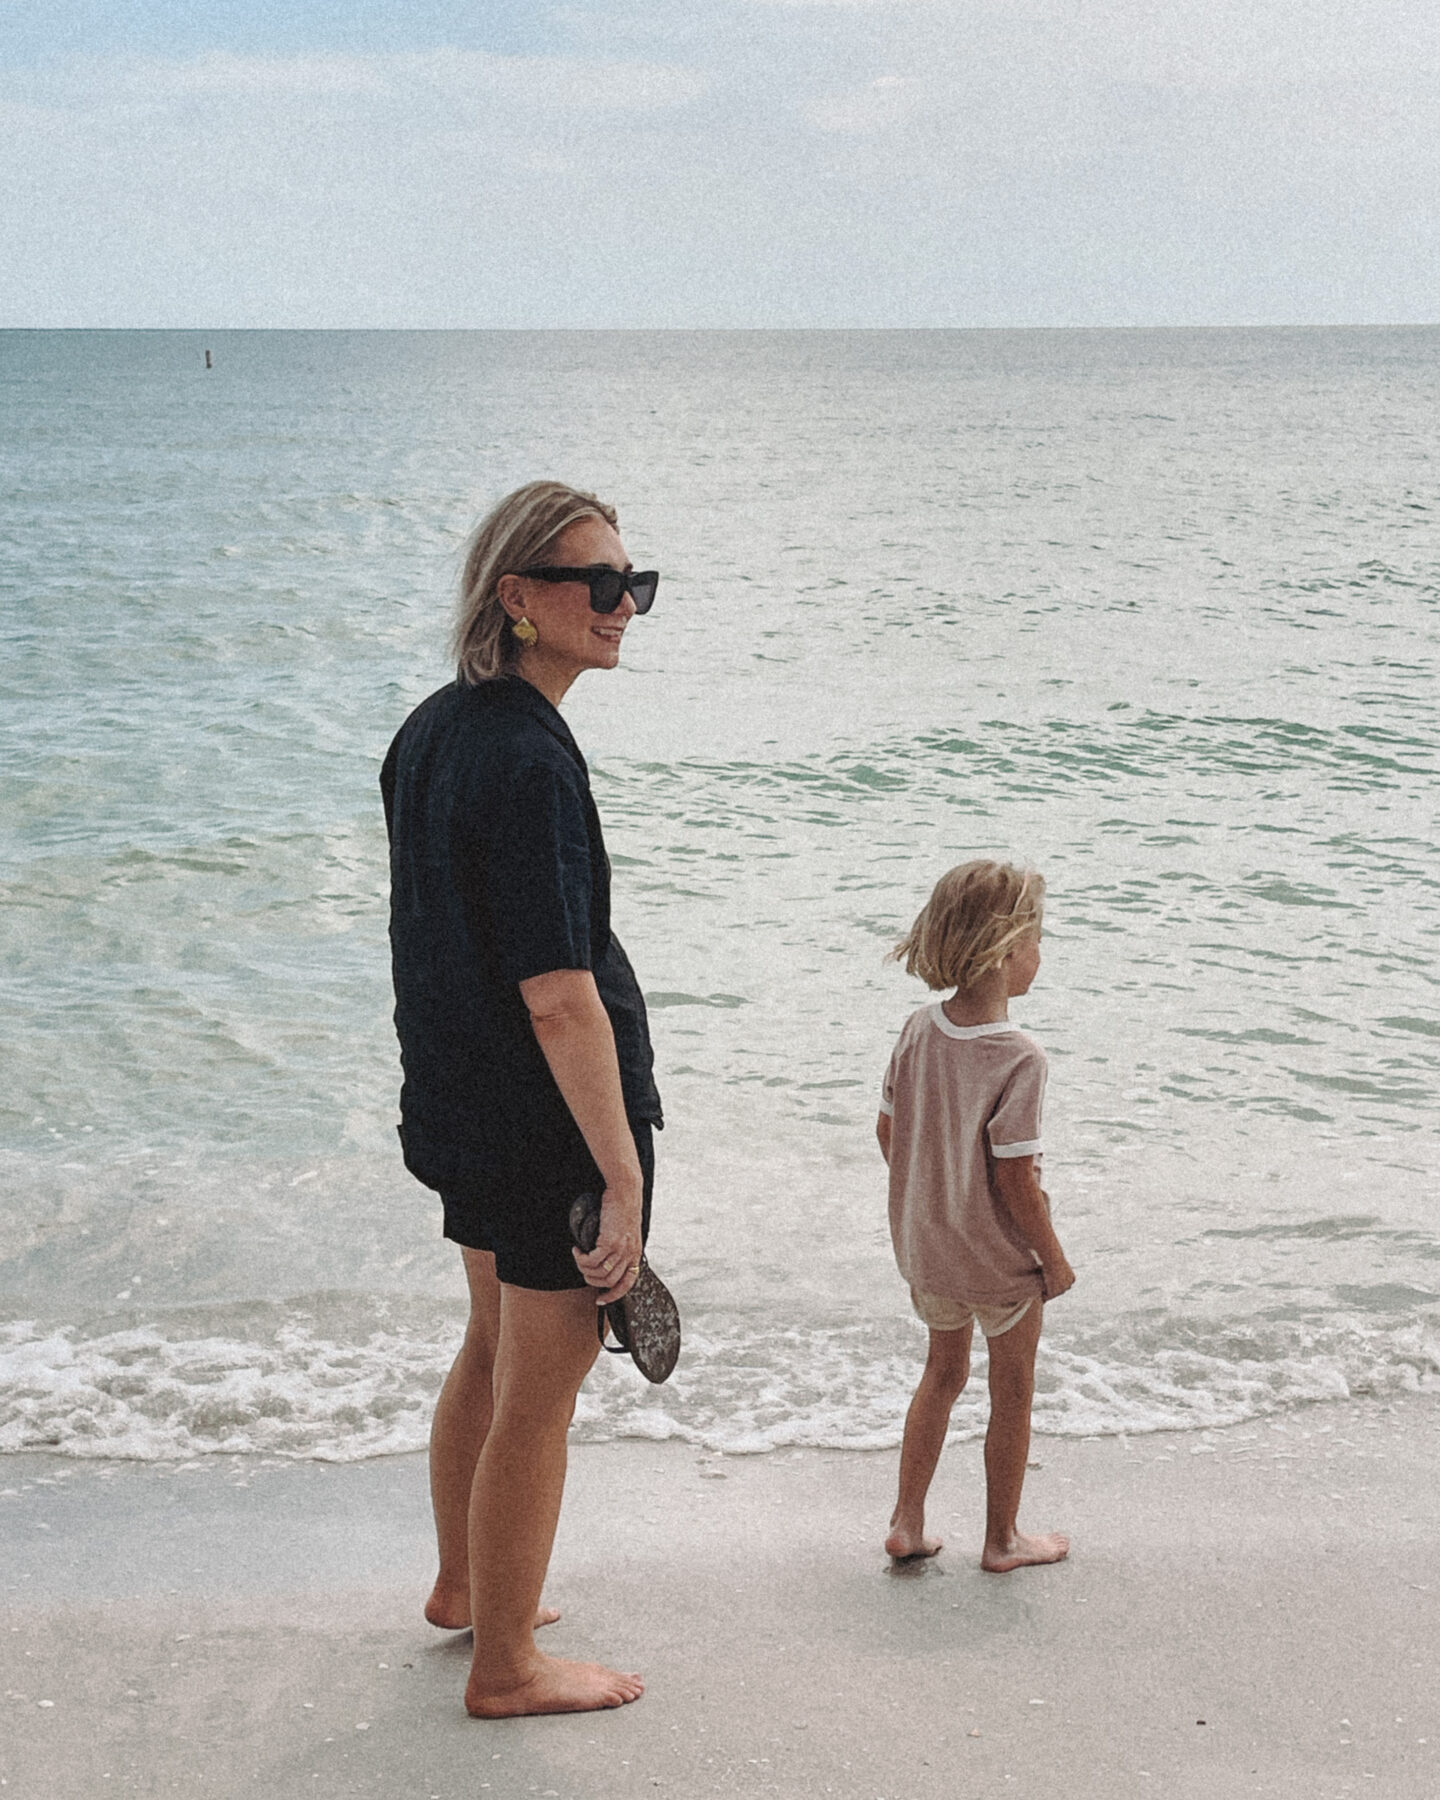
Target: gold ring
pixel 634 1269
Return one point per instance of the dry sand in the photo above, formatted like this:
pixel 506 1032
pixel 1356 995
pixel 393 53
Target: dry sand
pixel 1251 1611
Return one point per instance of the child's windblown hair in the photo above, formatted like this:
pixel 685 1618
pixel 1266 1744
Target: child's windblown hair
pixel 976 914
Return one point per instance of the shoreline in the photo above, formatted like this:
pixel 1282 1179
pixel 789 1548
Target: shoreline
pixel 243 1625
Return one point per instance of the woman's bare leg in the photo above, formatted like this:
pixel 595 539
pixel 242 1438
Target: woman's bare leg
pixel 457 1435
pixel 547 1344
pixel 1007 1445
pixel 947 1369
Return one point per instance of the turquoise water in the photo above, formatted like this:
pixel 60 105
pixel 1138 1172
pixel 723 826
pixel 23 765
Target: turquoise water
pixel 1155 610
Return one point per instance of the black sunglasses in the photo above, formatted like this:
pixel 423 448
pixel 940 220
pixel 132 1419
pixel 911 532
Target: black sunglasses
pixel 606 585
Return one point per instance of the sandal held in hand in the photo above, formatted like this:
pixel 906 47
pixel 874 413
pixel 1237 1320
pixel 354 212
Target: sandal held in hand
pixel 646 1323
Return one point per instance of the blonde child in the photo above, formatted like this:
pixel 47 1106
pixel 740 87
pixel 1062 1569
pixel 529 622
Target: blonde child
pixel 959 1127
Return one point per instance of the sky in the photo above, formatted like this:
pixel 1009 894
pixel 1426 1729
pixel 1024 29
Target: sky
pixel 718 163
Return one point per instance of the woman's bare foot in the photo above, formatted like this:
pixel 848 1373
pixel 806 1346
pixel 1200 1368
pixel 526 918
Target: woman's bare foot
pixel 1023 1552
pixel 450 1609
pixel 554 1687
pixel 908 1546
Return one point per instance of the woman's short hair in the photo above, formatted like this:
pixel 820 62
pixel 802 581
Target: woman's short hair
pixel 513 535
pixel 976 913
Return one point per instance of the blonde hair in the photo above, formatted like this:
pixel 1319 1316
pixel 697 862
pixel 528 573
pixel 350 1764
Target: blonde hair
pixel 512 536
pixel 975 915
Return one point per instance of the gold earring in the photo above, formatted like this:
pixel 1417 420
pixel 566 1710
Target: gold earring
pixel 524 632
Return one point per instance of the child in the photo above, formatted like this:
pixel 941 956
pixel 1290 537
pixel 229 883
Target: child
pixel 959 1127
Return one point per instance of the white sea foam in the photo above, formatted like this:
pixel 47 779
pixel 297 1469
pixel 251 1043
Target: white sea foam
pixel 149 1395
pixel 139 1394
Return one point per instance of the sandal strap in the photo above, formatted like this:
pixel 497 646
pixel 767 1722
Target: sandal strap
pixel 601 1322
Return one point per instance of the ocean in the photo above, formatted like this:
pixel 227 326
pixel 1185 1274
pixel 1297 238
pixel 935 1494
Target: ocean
pixel 1154 610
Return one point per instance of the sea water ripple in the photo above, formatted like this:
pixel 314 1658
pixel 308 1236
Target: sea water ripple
pixel 1156 611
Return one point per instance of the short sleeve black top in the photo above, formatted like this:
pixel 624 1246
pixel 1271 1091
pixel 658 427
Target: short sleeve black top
pixel 498 872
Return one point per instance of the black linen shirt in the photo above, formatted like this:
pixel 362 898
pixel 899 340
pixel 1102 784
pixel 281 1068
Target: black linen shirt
pixel 498 872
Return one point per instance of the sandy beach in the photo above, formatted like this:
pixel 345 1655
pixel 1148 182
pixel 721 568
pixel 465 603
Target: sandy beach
pixel 1247 1611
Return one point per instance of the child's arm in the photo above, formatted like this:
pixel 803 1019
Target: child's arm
pixel 882 1132
pixel 1020 1189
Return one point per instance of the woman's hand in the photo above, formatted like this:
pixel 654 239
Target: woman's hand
pixel 615 1261
pixel 573 1031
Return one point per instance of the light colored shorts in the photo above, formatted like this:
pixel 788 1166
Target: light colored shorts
pixel 941 1314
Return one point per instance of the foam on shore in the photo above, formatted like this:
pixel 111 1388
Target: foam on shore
pixel 307 1381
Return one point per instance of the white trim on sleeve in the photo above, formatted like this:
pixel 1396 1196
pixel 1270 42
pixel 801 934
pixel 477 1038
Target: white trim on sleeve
pixel 1031 1147
pixel 887 1107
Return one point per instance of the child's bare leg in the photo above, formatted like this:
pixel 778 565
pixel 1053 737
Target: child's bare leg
pixel 457 1436
pixel 1007 1445
pixel 947 1369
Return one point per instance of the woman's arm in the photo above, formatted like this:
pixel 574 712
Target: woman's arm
pixel 573 1031
pixel 1024 1198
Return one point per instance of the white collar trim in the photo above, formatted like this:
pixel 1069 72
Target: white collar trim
pixel 937 1015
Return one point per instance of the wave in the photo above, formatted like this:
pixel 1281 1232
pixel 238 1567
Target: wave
pixel 280 1385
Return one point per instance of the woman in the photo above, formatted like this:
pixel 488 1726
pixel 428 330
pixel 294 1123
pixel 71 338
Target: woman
pixel 527 1061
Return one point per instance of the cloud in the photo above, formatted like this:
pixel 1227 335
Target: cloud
pixel 874 6
pixel 944 162
pixel 463 77
pixel 220 74
pixel 886 101
pixel 413 188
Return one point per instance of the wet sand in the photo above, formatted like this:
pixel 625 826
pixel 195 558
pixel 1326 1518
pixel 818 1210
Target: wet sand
pixel 1247 1611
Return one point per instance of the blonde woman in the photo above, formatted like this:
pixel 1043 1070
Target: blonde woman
pixel 526 1059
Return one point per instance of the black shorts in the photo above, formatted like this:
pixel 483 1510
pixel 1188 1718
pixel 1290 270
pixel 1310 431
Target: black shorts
pixel 528 1232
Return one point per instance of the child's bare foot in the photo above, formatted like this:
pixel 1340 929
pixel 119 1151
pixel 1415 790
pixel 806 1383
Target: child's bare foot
pixel 449 1608
pixel 554 1686
pixel 1023 1552
pixel 908 1546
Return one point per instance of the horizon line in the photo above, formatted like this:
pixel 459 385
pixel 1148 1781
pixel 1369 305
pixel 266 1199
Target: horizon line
pixel 741 330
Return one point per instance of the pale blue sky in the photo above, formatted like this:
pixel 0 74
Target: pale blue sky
pixel 37 32
pixel 719 162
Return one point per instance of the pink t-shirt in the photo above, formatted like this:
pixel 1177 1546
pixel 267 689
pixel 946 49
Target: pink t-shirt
pixel 959 1096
